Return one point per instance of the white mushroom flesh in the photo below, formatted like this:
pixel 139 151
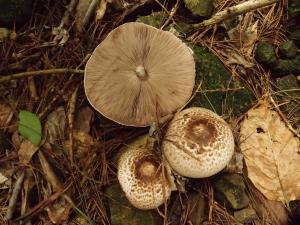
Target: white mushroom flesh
pixel 198 143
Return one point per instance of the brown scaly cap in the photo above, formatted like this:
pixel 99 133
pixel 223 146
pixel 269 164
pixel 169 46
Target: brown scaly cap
pixel 142 177
pixel 139 73
pixel 198 143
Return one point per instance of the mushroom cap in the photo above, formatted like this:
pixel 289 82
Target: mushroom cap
pixel 139 73
pixel 198 143
pixel 145 181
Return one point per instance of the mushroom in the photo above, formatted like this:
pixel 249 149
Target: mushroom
pixel 138 74
pixel 145 181
pixel 198 143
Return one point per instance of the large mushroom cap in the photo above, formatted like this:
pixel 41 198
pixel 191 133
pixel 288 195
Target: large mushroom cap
pixel 145 182
pixel 198 143
pixel 139 73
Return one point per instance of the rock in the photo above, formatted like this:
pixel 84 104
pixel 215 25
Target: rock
pixel 203 8
pixel 154 19
pixel 265 53
pixel 288 49
pixel 197 208
pixel 246 215
pixel 15 10
pixel 283 67
pixel 123 213
pixel 230 190
pixel 219 91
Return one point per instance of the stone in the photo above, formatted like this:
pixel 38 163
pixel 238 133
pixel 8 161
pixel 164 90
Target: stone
pixel 246 215
pixel 219 91
pixel 265 53
pixel 230 191
pixel 203 8
pixel 288 49
pixel 295 36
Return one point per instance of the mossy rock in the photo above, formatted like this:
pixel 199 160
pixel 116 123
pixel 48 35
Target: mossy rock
pixel 200 8
pixel 230 191
pixel 155 19
pixel 123 213
pixel 15 10
pixel 295 36
pixel 265 54
pixel 219 91
pixel 288 49
pixel 293 8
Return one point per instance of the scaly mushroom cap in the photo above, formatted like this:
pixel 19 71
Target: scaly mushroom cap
pixel 198 143
pixel 139 73
pixel 142 177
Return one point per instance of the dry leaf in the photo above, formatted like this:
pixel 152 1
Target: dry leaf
pixel 3 178
pixel 55 126
pixel 26 151
pixel 83 119
pixel 235 58
pixel 5 115
pixel 59 211
pixel 270 152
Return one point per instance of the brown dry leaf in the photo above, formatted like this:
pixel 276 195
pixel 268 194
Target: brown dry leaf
pixel 55 126
pixel 59 211
pixel 83 119
pixel 270 152
pixel 6 115
pixel 26 151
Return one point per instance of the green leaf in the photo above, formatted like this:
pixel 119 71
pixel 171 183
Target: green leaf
pixel 30 127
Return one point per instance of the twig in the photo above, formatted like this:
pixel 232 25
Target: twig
pixel 38 73
pixel 67 13
pixel 235 11
pixel 14 197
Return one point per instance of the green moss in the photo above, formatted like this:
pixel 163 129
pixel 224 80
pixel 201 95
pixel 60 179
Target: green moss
pixel 265 53
pixel 230 190
pixel 123 213
pixel 219 91
pixel 14 10
pixel 155 19
pixel 288 49
pixel 203 8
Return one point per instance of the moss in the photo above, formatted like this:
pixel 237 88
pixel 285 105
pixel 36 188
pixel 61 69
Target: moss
pixel 265 53
pixel 288 49
pixel 154 19
pixel 203 8
pixel 219 91
pixel 123 213
pixel 15 10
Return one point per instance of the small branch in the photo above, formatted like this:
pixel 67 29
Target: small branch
pixel 235 11
pixel 4 78
pixel 14 196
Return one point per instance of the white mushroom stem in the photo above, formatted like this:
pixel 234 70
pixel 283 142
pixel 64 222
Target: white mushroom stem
pixel 140 71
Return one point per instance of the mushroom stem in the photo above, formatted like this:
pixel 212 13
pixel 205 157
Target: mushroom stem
pixel 140 72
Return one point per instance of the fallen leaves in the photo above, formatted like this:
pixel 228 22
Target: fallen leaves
pixel 270 151
pixel 26 151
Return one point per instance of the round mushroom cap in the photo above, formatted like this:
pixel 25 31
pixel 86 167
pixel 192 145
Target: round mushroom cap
pixel 145 181
pixel 138 74
pixel 198 143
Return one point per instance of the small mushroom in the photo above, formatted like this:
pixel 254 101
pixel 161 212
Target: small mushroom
pixel 145 181
pixel 138 74
pixel 198 143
